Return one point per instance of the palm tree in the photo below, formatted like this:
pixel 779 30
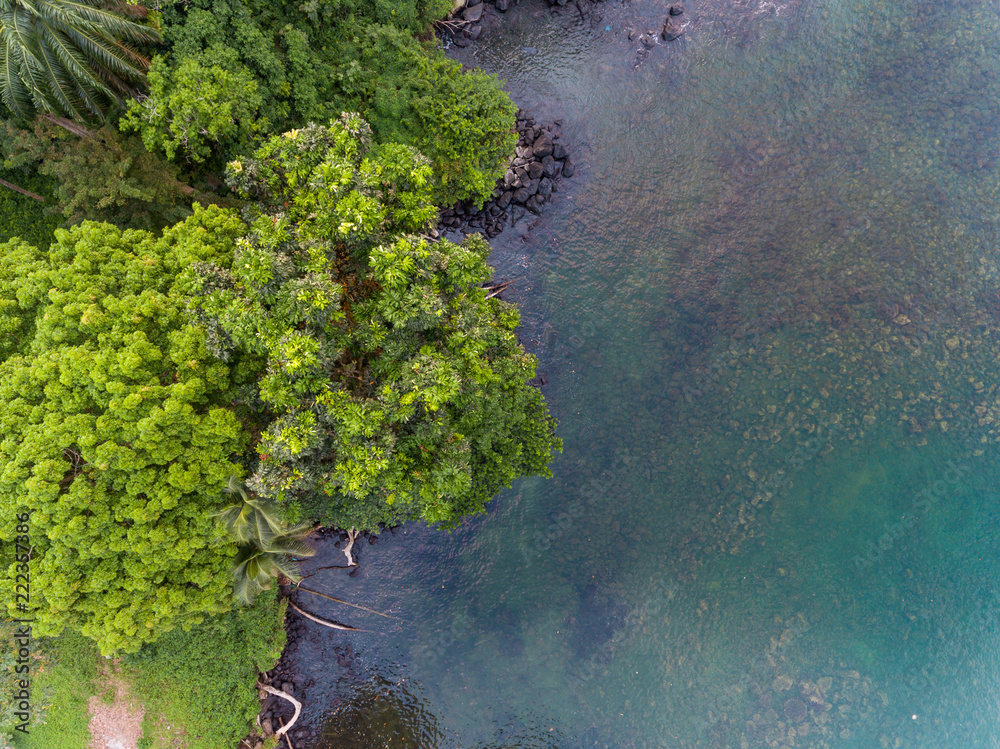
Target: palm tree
pixel 257 567
pixel 267 545
pixel 69 57
pixel 250 519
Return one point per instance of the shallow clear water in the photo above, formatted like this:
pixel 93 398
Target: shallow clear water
pixel 768 307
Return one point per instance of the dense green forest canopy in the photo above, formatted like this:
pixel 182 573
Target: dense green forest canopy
pixel 270 67
pixel 247 294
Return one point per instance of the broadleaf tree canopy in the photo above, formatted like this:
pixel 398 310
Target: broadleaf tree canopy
pixel 395 389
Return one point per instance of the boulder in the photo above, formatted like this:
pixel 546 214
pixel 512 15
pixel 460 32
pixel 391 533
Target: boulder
pixel 535 169
pixel 551 166
pixel 542 147
pixel 676 10
pixel 671 30
pixel 502 5
pixel 559 151
pixel 473 13
pixel 522 195
pixel 475 31
pixel 568 168
pixel 545 187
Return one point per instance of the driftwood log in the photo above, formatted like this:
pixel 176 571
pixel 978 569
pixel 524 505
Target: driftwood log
pixel 351 537
pixel 285 696
pixel 324 622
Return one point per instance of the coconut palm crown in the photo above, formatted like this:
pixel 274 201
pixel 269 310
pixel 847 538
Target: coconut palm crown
pixel 267 545
pixel 69 58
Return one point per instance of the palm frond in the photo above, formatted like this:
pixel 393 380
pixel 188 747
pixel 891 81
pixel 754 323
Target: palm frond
pixel 69 57
pixel 76 13
pixel 15 94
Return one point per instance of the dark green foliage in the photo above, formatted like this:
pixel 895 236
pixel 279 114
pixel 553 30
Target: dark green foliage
pixel 255 37
pixel 117 429
pixel 24 217
pixel 462 121
pixel 411 15
pixel 195 109
pixel 69 57
pixel 204 680
pixel 398 390
pixel 346 55
pixel 102 177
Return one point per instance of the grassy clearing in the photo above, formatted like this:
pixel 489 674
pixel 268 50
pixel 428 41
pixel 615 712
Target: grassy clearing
pixel 197 687
pixel 63 682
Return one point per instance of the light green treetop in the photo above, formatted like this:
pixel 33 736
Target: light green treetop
pixel 117 430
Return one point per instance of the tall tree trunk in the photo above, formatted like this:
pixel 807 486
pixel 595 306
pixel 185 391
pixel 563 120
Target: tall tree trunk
pixel 21 190
pixel 66 124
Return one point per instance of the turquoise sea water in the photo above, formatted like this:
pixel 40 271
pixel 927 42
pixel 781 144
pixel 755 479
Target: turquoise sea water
pixel 768 308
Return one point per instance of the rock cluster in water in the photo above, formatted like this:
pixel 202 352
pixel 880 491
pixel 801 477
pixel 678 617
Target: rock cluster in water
pixel 540 161
pixel 466 21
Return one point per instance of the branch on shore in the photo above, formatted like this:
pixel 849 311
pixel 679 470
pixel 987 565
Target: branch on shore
pixel 284 696
pixel 351 536
pixel 451 24
pixel 498 289
pixel 324 622
pixel 288 737
pixel 337 600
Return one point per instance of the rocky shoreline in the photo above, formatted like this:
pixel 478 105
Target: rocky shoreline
pixel 541 161
pixel 285 675
pixel 464 25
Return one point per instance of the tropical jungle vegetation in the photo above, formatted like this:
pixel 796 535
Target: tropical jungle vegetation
pixel 224 320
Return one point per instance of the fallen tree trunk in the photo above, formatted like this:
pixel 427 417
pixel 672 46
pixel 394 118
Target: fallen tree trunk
pixel 324 622
pixel 21 190
pixel 351 536
pixel 346 603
